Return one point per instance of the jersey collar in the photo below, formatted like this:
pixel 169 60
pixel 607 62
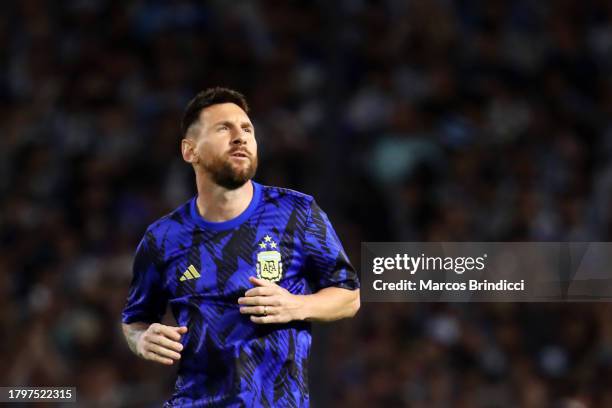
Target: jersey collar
pixel 234 222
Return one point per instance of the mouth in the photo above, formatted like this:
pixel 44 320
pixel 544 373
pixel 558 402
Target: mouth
pixel 239 154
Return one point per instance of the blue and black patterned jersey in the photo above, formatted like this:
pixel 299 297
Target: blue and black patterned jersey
pixel 201 268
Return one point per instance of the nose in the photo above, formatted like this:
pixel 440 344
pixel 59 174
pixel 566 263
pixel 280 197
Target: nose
pixel 238 138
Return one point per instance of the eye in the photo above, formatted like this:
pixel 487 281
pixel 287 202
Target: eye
pixel 248 130
pixel 222 127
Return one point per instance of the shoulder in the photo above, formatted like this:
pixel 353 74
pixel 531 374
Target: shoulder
pixel 286 196
pixel 171 223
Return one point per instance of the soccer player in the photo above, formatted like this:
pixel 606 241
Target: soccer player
pixel 244 267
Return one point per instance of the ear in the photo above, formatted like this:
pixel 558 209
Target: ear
pixel 188 150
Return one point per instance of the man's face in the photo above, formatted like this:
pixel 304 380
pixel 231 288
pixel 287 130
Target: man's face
pixel 224 145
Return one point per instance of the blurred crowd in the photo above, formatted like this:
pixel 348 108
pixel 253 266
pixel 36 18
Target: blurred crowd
pixel 420 120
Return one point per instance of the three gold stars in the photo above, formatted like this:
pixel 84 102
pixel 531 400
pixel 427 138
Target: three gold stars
pixel 267 241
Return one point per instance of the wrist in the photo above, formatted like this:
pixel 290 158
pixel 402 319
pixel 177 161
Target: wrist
pixel 137 343
pixel 302 310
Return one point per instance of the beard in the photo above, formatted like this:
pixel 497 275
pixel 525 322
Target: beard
pixel 228 175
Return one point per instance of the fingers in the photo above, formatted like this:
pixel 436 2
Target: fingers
pixel 262 302
pixel 261 282
pixel 268 319
pixel 167 343
pixel 259 301
pixel 163 351
pixel 251 301
pixel 260 291
pixel 159 359
pixel 259 310
pixel 160 343
pixel 168 331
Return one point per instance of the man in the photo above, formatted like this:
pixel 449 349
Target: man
pixel 244 267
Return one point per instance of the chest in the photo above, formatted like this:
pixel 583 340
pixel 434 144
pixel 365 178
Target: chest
pixel 220 264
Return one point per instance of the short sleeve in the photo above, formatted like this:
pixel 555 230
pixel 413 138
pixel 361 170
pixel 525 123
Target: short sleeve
pixel 326 262
pixel 146 300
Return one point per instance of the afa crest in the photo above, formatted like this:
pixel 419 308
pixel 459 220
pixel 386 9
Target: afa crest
pixel 269 264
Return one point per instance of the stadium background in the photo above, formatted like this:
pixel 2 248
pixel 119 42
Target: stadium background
pixel 408 120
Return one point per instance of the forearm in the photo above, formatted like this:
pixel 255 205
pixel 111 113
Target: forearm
pixel 132 333
pixel 330 304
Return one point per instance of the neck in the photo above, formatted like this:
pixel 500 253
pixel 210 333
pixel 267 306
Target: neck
pixel 218 204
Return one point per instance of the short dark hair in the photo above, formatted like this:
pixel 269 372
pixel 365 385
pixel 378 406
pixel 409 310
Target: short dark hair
pixel 206 98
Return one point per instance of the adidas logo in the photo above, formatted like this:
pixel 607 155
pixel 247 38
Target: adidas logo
pixel 190 273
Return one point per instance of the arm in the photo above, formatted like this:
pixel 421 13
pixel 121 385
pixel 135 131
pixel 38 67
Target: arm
pixel 154 342
pixel 333 279
pixel 147 303
pixel 329 304
pixel 270 303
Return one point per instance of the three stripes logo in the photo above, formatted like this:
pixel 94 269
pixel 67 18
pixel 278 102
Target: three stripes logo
pixel 190 273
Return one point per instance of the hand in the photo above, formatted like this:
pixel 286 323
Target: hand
pixel 269 303
pixel 160 343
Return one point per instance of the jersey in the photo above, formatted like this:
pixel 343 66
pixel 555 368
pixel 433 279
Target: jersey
pixel 201 268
